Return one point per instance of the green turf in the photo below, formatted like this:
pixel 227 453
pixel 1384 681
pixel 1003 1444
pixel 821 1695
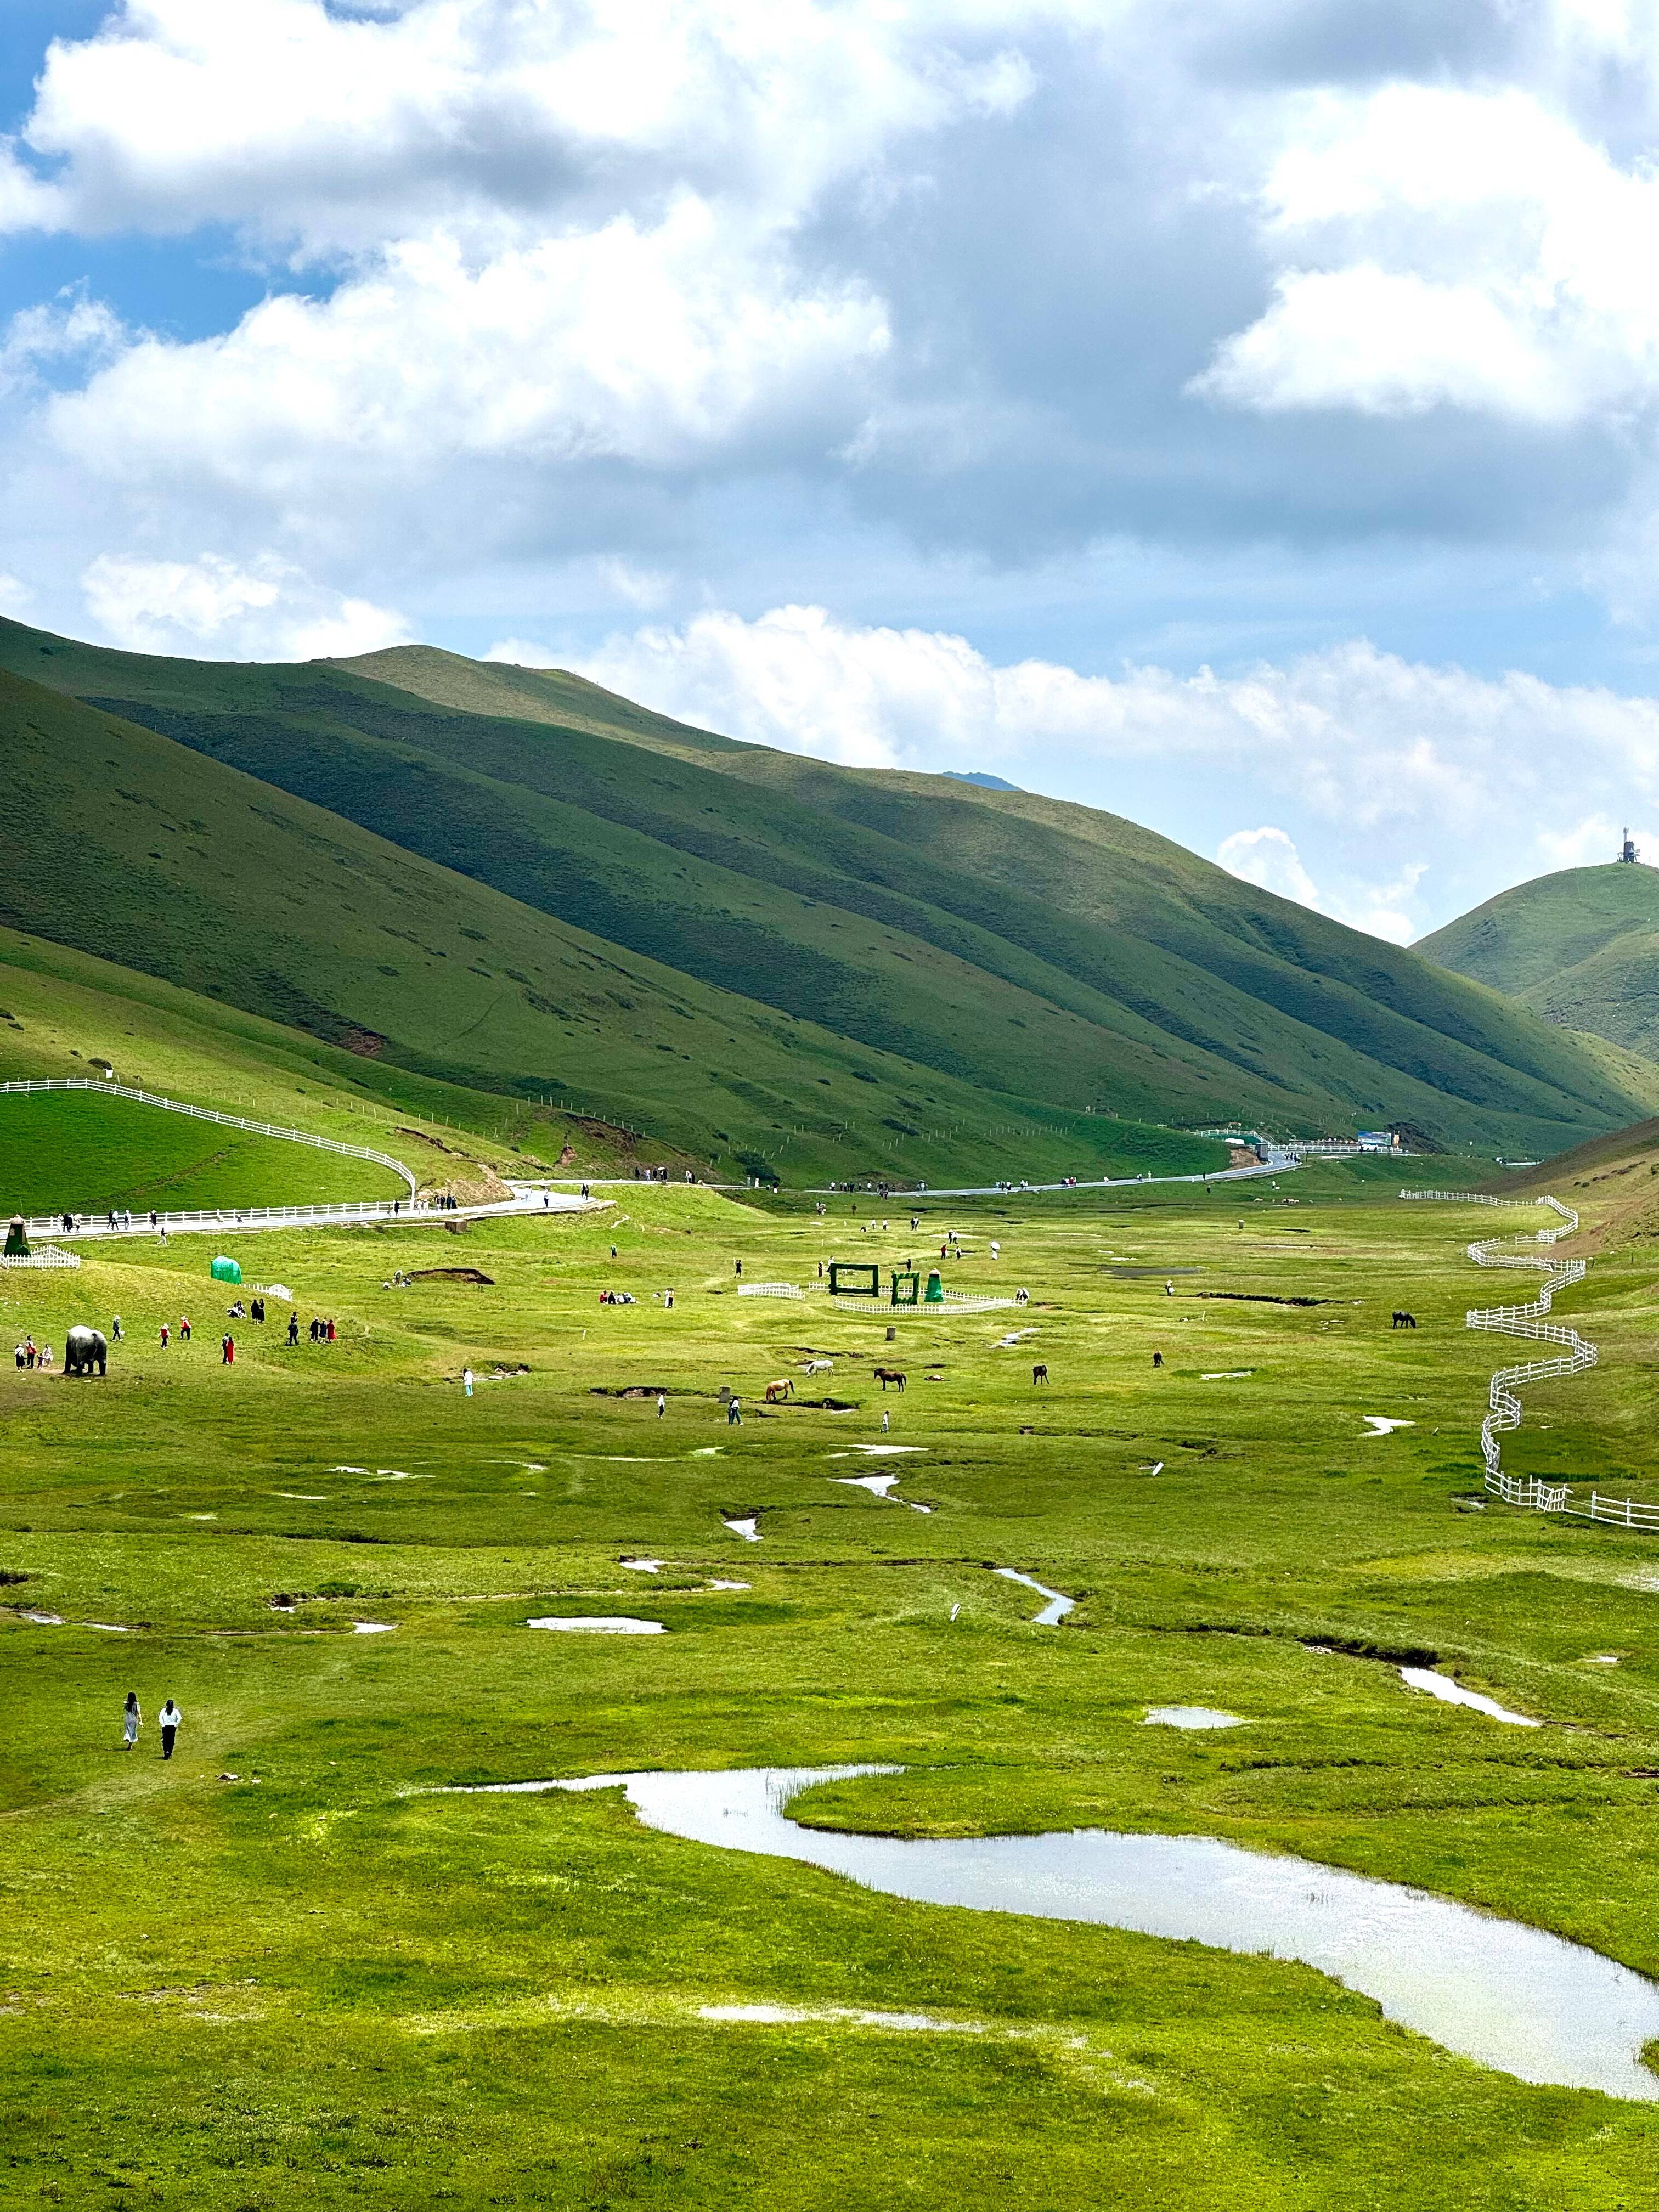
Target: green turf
pixel 314 1989
pixel 86 1152
pixel 871 970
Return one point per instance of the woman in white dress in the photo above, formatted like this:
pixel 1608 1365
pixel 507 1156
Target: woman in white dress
pixel 131 1720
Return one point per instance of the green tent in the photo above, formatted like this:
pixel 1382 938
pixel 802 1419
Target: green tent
pixel 934 1293
pixel 17 1243
pixel 226 1271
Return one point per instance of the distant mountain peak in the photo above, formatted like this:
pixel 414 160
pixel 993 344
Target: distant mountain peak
pixel 981 777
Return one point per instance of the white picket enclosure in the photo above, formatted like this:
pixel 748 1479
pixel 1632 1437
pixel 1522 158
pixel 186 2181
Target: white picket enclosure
pixel 1528 1321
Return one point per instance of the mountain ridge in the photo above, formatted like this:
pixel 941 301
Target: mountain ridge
pixel 1033 951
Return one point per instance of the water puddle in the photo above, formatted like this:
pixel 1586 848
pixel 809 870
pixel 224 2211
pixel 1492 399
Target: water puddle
pixel 1228 1375
pixel 643 1566
pixel 878 1451
pixel 1190 1717
pixel 719 1584
pixel 1058 1606
pixel 302 1497
pixel 1454 1693
pixel 45 1619
pixel 748 1527
pixel 108 1627
pixel 776 2016
pixel 1509 1997
pixel 599 1624
pixel 1381 1425
pixel 348 1470
pixel 372 1627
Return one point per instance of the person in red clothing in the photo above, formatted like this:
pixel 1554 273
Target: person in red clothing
pixel 228 1350
pixel 330 1332
pixel 165 1333
pixel 184 1328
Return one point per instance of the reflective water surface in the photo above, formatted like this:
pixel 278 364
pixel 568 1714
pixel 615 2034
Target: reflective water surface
pixel 1505 1994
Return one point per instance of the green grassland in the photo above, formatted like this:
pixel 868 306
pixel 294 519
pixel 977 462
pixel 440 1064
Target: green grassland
pixel 655 890
pixel 304 1986
pixel 106 1152
pixel 1578 947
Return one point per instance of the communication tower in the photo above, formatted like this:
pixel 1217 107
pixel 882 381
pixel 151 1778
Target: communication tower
pixel 1627 850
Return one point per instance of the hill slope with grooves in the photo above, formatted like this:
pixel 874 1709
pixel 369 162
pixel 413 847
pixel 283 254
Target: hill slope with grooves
pixel 1580 947
pixel 183 867
pixel 1008 942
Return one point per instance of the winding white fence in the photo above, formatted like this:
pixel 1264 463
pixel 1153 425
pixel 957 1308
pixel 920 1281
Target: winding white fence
pixel 1530 1321
pixel 227 1121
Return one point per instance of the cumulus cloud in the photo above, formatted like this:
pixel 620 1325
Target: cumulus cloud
pixel 1268 858
pixel 1408 778
pixel 1452 246
pixel 267 608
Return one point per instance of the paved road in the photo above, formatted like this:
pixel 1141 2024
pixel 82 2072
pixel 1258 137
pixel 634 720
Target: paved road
pixel 242 1221
pixel 1284 1164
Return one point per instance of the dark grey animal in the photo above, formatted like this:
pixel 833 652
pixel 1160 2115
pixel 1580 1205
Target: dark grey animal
pixel 1403 1319
pixel 1039 1373
pixel 85 1349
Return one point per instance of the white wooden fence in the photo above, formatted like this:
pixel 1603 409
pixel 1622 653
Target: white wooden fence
pixel 1529 1320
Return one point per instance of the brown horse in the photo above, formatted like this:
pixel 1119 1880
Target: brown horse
pixel 784 1388
pixel 886 1375
pixel 1039 1374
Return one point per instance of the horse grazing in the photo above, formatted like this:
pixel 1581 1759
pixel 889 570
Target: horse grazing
pixel 1039 1373
pixel 783 1387
pixel 1403 1319
pixel 820 1367
pixel 886 1375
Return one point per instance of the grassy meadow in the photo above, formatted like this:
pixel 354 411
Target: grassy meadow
pixel 268 1975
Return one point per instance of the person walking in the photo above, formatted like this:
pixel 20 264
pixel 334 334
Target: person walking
pixel 184 1328
pixel 131 1720
pixel 734 1411
pixel 115 1330
pixel 170 1718
pixel 164 1236
pixel 739 1269
pixel 19 1356
pixel 885 1423
pixel 165 1334
pixel 331 1329
pixel 466 1380
pixel 662 1405
pixel 227 1351
pixel 293 1328
pixel 30 1350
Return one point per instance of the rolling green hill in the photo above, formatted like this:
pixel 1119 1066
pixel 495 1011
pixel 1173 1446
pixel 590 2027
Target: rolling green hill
pixel 442 990
pixel 980 959
pixel 1581 948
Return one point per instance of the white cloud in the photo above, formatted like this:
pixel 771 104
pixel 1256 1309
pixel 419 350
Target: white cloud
pixel 1268 858
pixel 1445 246
pixel 333 132
pixel 266 609
pixel 1359 735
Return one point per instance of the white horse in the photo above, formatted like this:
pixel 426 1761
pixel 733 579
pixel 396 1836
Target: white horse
pixel 820 1367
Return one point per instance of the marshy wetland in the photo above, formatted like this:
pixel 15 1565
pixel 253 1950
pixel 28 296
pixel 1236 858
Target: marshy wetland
pixel 292 1966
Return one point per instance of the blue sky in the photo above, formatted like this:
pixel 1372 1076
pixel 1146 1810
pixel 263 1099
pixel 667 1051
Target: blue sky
pixel 1239 414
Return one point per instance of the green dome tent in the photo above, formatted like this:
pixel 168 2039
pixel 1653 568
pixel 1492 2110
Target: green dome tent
pixel 225 1271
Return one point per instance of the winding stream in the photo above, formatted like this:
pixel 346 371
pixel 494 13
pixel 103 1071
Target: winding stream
pixel 1507 1996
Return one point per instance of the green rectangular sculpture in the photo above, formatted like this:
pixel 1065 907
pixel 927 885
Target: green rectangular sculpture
pixel 907 1287
pixel 867 1284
